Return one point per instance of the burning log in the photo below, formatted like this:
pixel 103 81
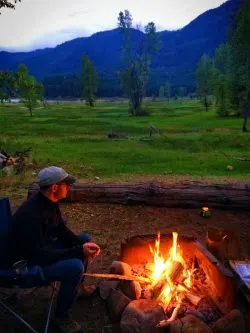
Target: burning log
pixel 194 299
pixel 172 277
pixel 176 271
pixel 158 289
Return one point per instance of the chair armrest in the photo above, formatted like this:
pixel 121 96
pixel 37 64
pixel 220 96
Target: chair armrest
pixel 33 277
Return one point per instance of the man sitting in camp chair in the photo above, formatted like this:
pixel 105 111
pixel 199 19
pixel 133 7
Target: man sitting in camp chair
pixel 35 226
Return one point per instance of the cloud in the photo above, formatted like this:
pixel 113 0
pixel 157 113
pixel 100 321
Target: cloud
pixel 50 39
pixel 47 23
pixel 74 14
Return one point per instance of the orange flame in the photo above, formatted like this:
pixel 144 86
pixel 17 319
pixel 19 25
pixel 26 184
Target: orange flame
pixel 162 268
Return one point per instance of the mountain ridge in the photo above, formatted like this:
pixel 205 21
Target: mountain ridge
pixel 176 61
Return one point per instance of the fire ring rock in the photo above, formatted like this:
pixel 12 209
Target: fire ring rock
pixel 188 324
pixel 230 323
pixel 105 288
pixel 132 289
pixel 141 316
pixel 117 302
pixel 120 268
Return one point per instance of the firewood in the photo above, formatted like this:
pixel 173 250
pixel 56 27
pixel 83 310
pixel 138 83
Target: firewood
pixel 173 276
pixel 176 271
pixel 194 299
pixel 184 287
pixel 158 288
pixel 119 277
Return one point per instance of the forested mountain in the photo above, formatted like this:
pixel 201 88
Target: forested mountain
pixel 180 52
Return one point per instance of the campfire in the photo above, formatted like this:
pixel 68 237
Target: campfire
pixel 169 280
pixel 171 277
pixel 173 282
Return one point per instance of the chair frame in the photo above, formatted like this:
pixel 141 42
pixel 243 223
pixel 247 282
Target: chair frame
pixel 22 320
pixel 14 284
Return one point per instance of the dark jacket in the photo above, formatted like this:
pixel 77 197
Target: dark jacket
pixel 34 225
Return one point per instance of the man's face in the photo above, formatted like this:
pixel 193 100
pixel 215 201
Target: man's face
pixel 60 191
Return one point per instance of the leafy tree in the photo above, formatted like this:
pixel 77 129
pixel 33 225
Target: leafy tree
pixel 29 90
pixel 7 89
pixel 204 77
pixel 89 80
pixel 135 75
pixel 8 4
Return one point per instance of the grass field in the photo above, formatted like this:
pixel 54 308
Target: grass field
pixel 190 142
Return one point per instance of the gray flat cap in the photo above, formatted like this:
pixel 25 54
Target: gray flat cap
pixel 53 175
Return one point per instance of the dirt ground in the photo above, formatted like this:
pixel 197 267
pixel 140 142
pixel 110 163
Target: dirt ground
pixel 109 225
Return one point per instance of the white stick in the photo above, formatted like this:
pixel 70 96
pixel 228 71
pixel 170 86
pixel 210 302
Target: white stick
pixel 164 323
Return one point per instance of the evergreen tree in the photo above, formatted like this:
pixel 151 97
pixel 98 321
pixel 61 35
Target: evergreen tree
pixel 89 80
pixel 240 61
pixel 222 80
pixel 7 89
pixel 240 46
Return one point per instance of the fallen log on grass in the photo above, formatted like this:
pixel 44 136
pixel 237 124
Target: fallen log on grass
pixel 158 194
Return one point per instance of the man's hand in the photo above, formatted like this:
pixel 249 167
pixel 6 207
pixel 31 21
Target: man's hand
pixel 90 250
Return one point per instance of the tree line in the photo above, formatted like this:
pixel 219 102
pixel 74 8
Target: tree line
pixel 226 76
pixel 25 86
pixel 134 75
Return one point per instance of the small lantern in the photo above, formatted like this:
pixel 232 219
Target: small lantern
pixel 205 212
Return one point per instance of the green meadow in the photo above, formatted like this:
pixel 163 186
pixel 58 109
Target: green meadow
pixel 189 141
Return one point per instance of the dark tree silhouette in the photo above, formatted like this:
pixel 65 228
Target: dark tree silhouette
pixel 8 4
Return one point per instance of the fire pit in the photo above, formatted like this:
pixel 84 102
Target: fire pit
pixel 177 283
pixel 165 255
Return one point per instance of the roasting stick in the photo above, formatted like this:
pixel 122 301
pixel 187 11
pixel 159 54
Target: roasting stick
pixel 119 277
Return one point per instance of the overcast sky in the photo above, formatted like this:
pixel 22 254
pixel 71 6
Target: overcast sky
pixel 47 23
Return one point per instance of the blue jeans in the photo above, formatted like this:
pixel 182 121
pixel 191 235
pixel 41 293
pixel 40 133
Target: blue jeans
pixel 69 274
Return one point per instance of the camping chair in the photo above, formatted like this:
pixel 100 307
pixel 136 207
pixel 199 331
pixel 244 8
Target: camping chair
pixel 19 276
